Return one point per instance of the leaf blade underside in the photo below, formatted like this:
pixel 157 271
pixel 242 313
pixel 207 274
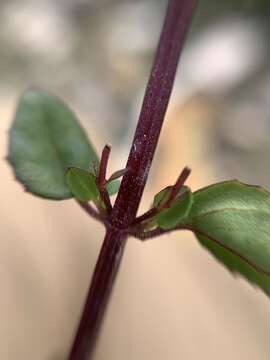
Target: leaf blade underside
pixel 46 139
pixel 232 221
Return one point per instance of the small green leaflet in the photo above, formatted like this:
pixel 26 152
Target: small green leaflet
pixel 45 140
pixel 113 187
pixel 162 196
pixel 82 184
pixel 177 213
pixel 232 220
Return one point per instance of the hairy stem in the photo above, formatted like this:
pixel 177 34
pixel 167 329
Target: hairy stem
pixel 177 19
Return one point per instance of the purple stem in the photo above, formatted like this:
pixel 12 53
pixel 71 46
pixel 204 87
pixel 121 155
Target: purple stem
pixel 177 186
pixel 101 284
pixel 158 91
pixel 91 211
pixel 146 216
pixel 101 179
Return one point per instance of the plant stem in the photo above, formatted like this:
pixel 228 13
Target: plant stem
pixel 101 179
pixel 177 20
pixel 101 284
pixel 158 91
pixel 146 216
pixel 177 186
pixel 90 211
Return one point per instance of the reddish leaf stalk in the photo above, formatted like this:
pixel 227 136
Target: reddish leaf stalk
pixel 174 191
pixel 177 186
pixel 103 165
pixel 91 211
pixel 146 216
pixel 101 179
pixel 158 91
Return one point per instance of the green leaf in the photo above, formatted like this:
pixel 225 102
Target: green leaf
pixel 162 196
pixel 235 264
pixel 82 184
pixel 117 174
pixel 232 220
pixel 113 187
pixel 177 213
pixel 45 140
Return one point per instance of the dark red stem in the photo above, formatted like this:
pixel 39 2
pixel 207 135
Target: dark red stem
pixel 101 284
pixel 101 179
pixel 177 20
pixel 174 191
pixel 91 211
pixel 103 165
pixel 177 186
pixel 106 199
pixel 146 216
pixel 158 91
pixel 149 234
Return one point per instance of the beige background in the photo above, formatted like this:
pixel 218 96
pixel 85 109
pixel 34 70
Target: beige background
pixel 172 300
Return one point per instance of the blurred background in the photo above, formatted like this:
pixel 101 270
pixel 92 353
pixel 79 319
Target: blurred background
pixel 171 300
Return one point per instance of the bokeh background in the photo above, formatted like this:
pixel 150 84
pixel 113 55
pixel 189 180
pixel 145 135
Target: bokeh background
pixel 172 300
